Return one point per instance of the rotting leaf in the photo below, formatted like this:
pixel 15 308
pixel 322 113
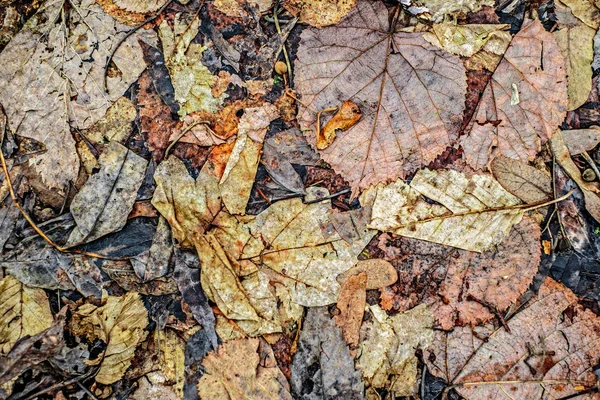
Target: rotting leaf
pixel 235 8
pixel 154 262
pixel 243 369
pixel 23 311
pixel 474 213
pixel 467 40
pixel 411 95
pixel 319 13
pixel 351 306
pixel 345 118
pixel 115 126
pixel 526 182
pixel 550 351
pixel 533 62
pixel 131 12
pixel 104 202
pixel 323 368
pixel 45 83
pixel 121 324
pixel 439 9
pixel 388 345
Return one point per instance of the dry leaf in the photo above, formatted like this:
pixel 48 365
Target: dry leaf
pixel 463 287
pixel 131 12
pixel 473 213
pixel 550 351
pixel 580 140
pixel 346 117
pixel 351 306
pixel 388 345
pixel 411 112
pixel 104 202
pixel 121 324
pixel 527 183
pixel 23 311
pixel 380 273
pixel 45 81
pixel 115 126
pixel 242 369
pixel 172 358
pixel 235 8
pixel 467 40
pixel 322 368
pixel 534 64
pixel 319 13
pixel 438 9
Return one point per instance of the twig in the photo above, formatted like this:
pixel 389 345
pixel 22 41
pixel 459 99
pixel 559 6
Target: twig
pixel 285 54
pixel 592 164
pixel 183 132
pixel 61 385
pixel 86 390
pixel 331 196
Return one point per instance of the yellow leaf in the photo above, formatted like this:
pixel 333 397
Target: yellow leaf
pixel 23 311
pixel 172 358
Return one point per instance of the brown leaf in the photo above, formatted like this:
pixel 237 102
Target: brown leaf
pixel 131 12
pixel 319 13
pixel 380 273
pixel 527 183
pixel 411 112
pixel 532 67
pixel 550 351
pixel 465 287
pixel 580 140
pixel 346 117
pixel 351 305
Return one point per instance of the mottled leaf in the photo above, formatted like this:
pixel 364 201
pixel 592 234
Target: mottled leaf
pixel 320 13
pixel 154 262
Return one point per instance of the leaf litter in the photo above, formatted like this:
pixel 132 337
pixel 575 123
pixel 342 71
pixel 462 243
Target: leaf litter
pixel 409 159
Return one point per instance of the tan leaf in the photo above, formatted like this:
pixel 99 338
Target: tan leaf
pixel 380 273
pixel 351 306
pixel 388 345
pixel 466 40
pixel 475 213
pixel 346 117
pixel 462 287
pixel 45 83
pixel 120 323
pixel 243 369
pixel 440 8
pixel 411 112
pixel 115 126
pixel 580 140
pixel 527 183
pixel 534 65
pixel 549 353
pixel 23 311
pixel 235 8
pixel 172 358
pixel 319 13
pixel 131 12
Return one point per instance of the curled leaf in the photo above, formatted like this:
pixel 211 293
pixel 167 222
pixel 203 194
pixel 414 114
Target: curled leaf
pixel 346 117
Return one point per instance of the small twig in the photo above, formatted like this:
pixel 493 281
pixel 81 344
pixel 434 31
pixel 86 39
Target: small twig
pixel 183 132
pixel 61 385
pixel 423 374
pixel 285 53
pixel 289 94
pixel 86 390
pixel 331 196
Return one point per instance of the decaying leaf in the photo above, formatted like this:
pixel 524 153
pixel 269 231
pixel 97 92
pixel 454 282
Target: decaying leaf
pixel 131 12
pixel 115 126
pixel 380 273
pixel 438 9
pixel 474 213
pixel 243 369
pixel 320 13
pixel 411 95
pixel 533 62
pixel 235 8
pixel 191 80
pixel 550 351
pixel 462 287
pixel 104 202
pixel 387 350
pixel 50 82
pixel 467 40
pixel 121 324
pixel 351 306
pixel 23 311
pixel 580 140
pixel 172 358
pixel 323 368
pixel 154 262
pixel 526 182
pixel 345 118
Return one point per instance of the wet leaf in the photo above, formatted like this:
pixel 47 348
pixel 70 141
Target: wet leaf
pixel 388 345
pixel 534 64
pixel 550 351
pixel 121 324
pixel 244 368
pixel 320 13
pixel 323 368
pixel 473 213
pixel 104 202
pixel 44 81
pixel 527 183
pixel 24 311
pixel 411 113
pixel 580 140
pixel 380 273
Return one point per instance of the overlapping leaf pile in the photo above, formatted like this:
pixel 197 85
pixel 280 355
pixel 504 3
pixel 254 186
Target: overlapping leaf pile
pixel 300 199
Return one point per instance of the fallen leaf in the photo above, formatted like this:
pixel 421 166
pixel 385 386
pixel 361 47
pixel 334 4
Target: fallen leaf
pixel 380 273
pixel 197 347
pixel 153 386
pixel 550 351
pixel 104 202
pixel 578 21
pixel 411 113
pixel 131 12
pixel 438 9
pixel 244 368
pixel 24 311
pixel 121 324
pixel 159 73
pixel 45 81
pixel 319 13
pixel 323 368
pixel 235 8
pixel 473 213
pixel 533 63
pixel 115 126
pixel 345 118
pixel 467 40
pixel 580 140
pixel 563 158
pixel 462 287
pixel 527 183
pixel 154 262
pixel 351 306
pixel 172 358
pixel 388 345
